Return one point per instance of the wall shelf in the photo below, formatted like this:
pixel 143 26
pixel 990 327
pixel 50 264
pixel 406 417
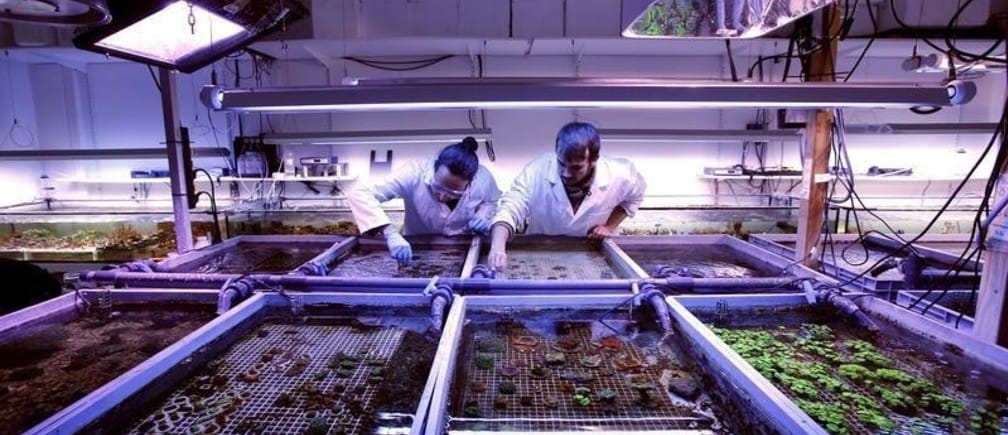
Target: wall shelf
pixel 285 179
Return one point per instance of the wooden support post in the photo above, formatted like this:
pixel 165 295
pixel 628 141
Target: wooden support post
pixel 991 321
pixel 817 146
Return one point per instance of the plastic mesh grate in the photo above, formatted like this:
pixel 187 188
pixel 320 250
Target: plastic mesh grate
pixel 282 398
pixel 376 262
pixel 555 264
pixel 528 409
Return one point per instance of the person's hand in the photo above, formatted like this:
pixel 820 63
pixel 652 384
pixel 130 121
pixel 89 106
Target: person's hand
pixel 600 232
pixel 497 260
pixel 479 225
pixel 399 248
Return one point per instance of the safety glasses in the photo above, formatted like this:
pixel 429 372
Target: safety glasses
pixel 438 188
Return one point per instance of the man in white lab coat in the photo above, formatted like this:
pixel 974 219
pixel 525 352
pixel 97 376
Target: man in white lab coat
pixel 571 192
pixel 450 195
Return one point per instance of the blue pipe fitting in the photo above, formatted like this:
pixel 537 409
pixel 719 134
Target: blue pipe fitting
pixel 311 268
pixel 141 266
pixel 483 271
pixel 232 292
pixel 655 297
pixel 441 298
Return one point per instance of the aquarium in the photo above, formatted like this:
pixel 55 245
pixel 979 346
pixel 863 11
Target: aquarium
pixel 60 351
pixel 862 261
pixel 559 370
pixel 701 257
pixel 911 377
pixel 557 258
pixel 300 363
pixel 247 254
pixel 432 256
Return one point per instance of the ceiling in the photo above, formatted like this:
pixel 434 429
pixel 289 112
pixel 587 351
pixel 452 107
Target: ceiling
pixel 376 28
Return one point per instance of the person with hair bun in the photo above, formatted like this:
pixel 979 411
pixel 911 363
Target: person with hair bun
pixel 450 195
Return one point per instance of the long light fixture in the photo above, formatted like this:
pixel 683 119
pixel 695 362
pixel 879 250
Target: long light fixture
pixel 379 137
pixel 696 135
pixel 933 128
pixel 411 94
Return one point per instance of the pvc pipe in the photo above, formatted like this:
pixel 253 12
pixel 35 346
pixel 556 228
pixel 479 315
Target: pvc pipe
pixel 441 298
pixel 482 271
pixel 679 283
pixel 846 306
pixel 232 292
pixel 656 298
pixel 120 278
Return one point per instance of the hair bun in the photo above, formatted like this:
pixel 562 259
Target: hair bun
pixel 470 144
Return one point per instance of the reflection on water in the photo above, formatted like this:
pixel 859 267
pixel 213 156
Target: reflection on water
pixel 697 261
pixel 260 257
pixel 374 261
pixel 565 371
pixel 329 374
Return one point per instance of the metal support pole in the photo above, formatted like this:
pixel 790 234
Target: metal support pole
pixel 180 204
pixel 991 319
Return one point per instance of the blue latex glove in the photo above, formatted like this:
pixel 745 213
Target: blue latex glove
pixel 398 246
pixel 479 225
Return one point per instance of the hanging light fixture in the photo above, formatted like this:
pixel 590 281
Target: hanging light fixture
pixel 425 94
pixel 56 12
pixel 185 35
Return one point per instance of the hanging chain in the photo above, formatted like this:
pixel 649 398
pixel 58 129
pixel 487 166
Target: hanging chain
pixel 192 19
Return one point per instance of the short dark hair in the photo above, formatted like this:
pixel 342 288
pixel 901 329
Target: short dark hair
pixel 576 137
pixel 460 158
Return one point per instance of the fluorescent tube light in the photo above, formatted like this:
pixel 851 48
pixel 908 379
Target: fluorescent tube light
pixel 379 137
pixel 696 135
pixel 410 94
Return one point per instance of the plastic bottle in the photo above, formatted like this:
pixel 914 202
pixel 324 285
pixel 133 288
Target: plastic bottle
pixel 288 165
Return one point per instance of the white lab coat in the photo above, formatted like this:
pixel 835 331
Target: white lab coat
pixel 537 197
pixel 424 214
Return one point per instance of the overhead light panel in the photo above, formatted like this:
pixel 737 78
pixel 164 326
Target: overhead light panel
pixel 722 19
pixel 379 137
pixel 185 35
pixel 413 94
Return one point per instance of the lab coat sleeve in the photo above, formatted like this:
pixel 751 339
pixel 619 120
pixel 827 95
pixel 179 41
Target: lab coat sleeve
pixel 513 207
pixel 488 207
pixel 636 186
pixel 365 202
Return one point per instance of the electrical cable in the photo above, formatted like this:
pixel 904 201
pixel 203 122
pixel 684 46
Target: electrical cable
pixel 998 131
pixel 383 65
pixel 216 233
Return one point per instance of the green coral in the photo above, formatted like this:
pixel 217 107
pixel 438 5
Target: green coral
pixel 484 361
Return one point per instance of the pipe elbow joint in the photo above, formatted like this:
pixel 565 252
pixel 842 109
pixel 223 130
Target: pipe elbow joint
pixel 311 268
pixel 232 292
pixel 482 271
pixel 441 298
